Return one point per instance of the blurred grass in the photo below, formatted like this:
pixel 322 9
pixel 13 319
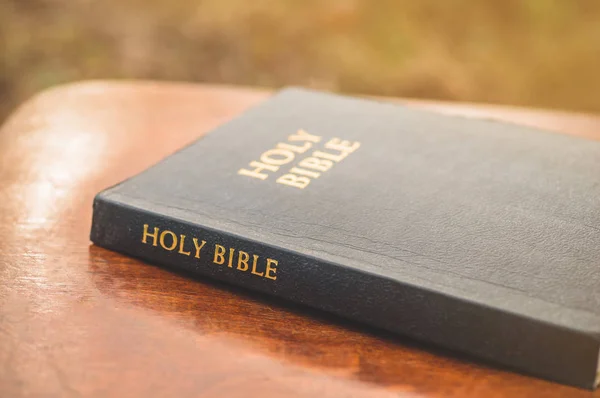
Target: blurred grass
pixel 537 52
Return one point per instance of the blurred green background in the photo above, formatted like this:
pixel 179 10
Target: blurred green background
pixel 539 53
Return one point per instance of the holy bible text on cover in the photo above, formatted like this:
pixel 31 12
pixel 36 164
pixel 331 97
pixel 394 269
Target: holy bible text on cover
pixel 474 235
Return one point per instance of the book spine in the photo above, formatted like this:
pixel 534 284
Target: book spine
pixel 519 343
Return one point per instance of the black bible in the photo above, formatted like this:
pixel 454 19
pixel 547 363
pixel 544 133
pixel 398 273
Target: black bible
pixel 479 236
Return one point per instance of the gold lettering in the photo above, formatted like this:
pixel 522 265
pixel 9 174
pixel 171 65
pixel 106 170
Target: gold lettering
pixel 308 173
pixel 316 163
pixel 198 247
pixel 181 244
pixel 255 259
pixel 302 135
pixel 342 145
pixel 230 262
pixel 219 255
pixel 243 260
pixel 301 174
pixel 271 269
pixel 173 238
pixel 330 156
pixel 258 168
pixel 154 235
pixel 295 148
pixel 277 156
pixel 293 181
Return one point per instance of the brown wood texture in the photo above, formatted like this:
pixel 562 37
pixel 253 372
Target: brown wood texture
pixel 78 320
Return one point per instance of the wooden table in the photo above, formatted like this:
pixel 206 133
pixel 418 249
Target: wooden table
pixel 78 320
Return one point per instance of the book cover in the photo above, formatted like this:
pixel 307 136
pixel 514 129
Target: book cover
pixel 479 236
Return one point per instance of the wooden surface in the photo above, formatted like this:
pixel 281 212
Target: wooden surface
pixel 78 320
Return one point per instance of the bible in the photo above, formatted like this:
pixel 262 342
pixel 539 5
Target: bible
pixel 474 235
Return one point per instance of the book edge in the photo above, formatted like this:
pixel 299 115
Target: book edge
pixel 577 351
pixel 590 328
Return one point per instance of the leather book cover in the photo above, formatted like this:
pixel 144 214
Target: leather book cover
pixel 479 236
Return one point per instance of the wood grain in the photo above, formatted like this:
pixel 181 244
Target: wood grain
pixel 78 320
